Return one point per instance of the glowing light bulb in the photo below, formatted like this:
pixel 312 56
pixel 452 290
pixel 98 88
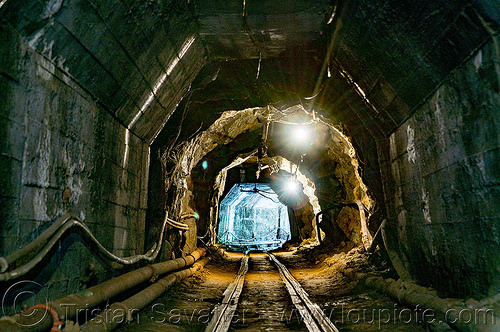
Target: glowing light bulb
pixel 292 187
pixel 301 134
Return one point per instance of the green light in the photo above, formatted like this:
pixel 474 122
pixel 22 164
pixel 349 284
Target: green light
pixel 204 164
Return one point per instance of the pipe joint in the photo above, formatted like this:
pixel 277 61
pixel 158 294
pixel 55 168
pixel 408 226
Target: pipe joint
pixel 56 322
pixel 185 261
pixel 154 274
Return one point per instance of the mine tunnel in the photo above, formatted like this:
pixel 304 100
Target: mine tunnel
pixel 249 165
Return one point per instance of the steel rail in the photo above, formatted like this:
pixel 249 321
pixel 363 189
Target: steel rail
pixel 223 312
pixel 314 318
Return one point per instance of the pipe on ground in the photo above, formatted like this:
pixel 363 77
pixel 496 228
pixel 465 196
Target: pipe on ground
pixel 456 313
pixel 121 312
pixel 68 306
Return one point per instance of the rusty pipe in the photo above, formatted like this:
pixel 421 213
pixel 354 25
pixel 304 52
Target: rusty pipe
pixel 111 318
pixel 447 310
pixel 68 306
pixel 97 294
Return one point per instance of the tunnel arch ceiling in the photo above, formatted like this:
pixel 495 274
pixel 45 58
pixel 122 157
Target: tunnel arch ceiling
pixel 143 41
pixel 271 47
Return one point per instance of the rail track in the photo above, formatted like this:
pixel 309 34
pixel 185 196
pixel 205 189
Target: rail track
pixel 272 300
pixel 224 312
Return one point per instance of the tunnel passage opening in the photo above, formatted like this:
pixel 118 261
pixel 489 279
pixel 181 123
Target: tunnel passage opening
pixel 196 173
pixel 252 217
pixel 302 202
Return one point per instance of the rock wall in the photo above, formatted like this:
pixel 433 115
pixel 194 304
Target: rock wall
pixel 237 132
pixel 443 192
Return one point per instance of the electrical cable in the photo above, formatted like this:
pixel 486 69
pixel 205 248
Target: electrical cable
pixel 176 224
pixel 73 222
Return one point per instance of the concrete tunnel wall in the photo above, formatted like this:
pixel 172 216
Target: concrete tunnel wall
pixel 67 102
pixel 70 142
pixel 442 168
pixel 63 152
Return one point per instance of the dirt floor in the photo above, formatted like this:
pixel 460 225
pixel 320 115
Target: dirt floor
pixel 329 277
pixel 330 280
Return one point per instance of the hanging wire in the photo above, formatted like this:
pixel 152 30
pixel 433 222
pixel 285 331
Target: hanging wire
pixel 260 193
pixel 258 68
